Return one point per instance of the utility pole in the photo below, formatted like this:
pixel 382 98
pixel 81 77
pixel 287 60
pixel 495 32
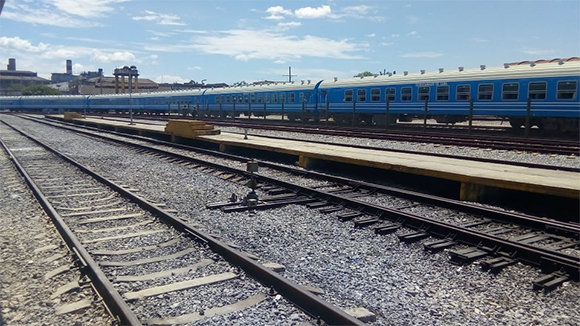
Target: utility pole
pixel 289 74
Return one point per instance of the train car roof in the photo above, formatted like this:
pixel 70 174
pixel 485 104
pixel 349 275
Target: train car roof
pixel 556 69
pixel 271 87
pixel 188 92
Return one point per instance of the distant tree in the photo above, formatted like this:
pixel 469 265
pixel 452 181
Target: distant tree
pixel 37 90
pixel 364 74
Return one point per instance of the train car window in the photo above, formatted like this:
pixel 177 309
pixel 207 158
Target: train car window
pixel 274 98
pixel 485 92
pixel 291 97
pixel 348 95
pixel 307 95
pixel 259 98
pixel 463 92
pixel 253 98
pixel 443 93
pixel 375 94
pixel 301 97
pixel 537 91
pixel 228 98
pixel 282 97
pixel 390 93
pixel 423 93
pixel 510 91
pixel 361 95
pixel 246 97
pixel 567 90
pixel 406 94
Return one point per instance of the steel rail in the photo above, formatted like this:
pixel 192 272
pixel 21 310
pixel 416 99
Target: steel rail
pixel 494 214
pixel 545 258
pixel 533 255
pixel 453 137
pixel 548 259
pixel 104 287
pixel 528 253
pixel 530 144
pixel 292 291
pixel 476 159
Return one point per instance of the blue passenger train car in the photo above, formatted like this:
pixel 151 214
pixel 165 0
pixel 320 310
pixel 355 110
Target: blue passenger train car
pixel 296 100
pixel 546 92
pixel 549 90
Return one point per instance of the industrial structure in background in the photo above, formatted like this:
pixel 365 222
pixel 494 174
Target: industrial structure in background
pixel 11 80
pixel 89 83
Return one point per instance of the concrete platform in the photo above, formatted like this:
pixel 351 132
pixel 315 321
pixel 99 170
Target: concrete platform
pixel 473 176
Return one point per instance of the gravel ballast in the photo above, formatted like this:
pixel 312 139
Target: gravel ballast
pixel 28 240
pixel 400 283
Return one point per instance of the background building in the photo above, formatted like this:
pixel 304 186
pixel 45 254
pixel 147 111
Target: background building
pixel 11 79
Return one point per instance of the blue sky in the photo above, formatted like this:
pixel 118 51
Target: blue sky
pixel 231 41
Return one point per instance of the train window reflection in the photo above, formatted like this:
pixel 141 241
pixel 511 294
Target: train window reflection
pixel 348 95
pixel 510 91
pixel 463 92
pixel 423 93
pixel 567 90
pixel 361 95
pixel 390 94
pixel 375 94
pixel 485 92
pixel 443 93
pixel 406 94
pixel 537 91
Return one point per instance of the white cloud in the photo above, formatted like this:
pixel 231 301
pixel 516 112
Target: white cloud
pixel 246 45
pixel 361 10
pixel 413 34
pixel 116 56
pixel 289 25
pixel 85 8
pixel 277 13
pixel 169 48
pixel 309 12
pixel 421 55
pixel 324 11
pixel 19 45
pixel 44 16
pixel 77 68
pixel 61 13
pixel 160 19
pixel 66 52
pixel 479 40
pixel 170 79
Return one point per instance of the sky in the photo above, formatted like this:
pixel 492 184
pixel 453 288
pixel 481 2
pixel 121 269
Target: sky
pixel 230 41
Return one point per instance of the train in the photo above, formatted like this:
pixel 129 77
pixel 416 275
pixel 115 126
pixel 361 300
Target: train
pixel 537 93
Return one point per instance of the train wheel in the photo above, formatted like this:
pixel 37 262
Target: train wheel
pixel 517 123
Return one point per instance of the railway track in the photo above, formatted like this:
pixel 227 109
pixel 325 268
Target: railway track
pixel 436 134
pixel 486 233
pixel 539 145
pixel 144 262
